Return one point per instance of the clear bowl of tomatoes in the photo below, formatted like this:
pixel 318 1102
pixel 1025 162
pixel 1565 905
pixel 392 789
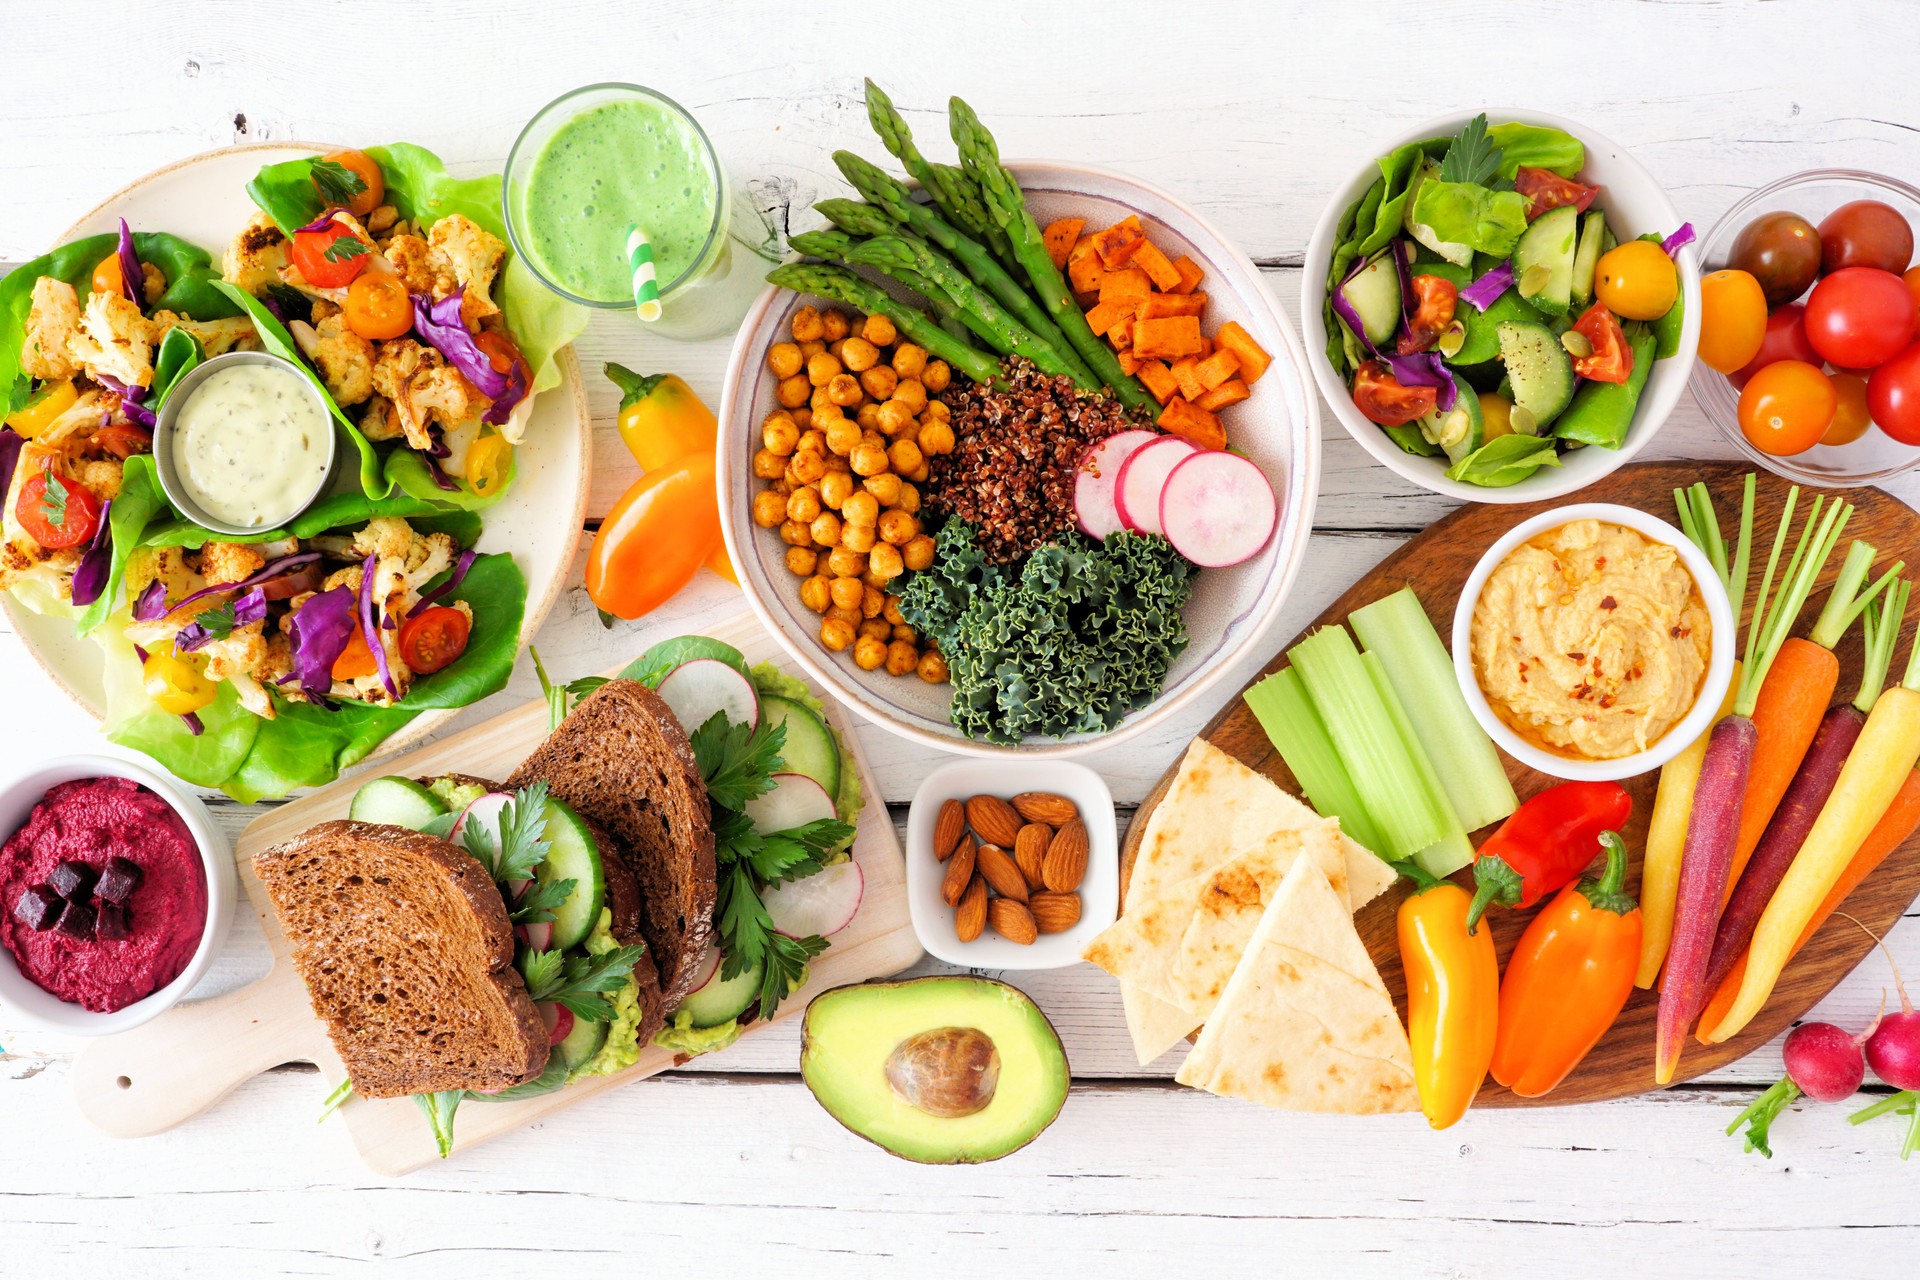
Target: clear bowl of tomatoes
pixel 1810 312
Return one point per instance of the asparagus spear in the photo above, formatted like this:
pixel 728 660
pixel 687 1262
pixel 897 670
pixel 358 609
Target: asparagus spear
pixel 952 190
pixel 1006 204
pixel 843 286
pixel 824 243
pixel 838 245
pixel 892 198
pixel 905 254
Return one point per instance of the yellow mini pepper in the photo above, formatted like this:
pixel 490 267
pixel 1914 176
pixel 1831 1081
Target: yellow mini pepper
pixel 1453 995
pixel 662 420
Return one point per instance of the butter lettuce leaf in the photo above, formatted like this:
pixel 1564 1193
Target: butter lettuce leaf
pixel 1455 219
pixel 1537 147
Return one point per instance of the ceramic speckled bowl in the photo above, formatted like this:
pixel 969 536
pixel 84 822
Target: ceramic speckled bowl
pixel 1231 609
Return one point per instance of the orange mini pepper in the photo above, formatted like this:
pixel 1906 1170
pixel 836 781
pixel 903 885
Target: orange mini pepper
pixel 1453 995
pixel 656 538
pixel 1568 978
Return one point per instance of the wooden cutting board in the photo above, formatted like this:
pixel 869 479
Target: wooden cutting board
pixel 1436 564
pixel 183 1062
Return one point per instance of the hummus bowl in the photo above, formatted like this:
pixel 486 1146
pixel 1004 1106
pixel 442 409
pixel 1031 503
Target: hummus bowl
pixel 1713 683
pixel 27 1002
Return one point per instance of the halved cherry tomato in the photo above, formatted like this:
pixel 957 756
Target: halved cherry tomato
pixel 1787 408
pixel 1733 320
pixel 1437 299
pixel 331 257
pixel 502 354
pixel 1893 396
pixel 432 638
pixel 298 583
pixel 1545 189
pixel 489 464
pixel 1636 280
pixel 378 306
pixel 57 513
pixel 1611 359
pixel 1851 417
pixel 356 184
pixel 356 660
pixel 1785 339
pixel 175 684
pixel 657 537
pixel 1379 395
pixel 122 440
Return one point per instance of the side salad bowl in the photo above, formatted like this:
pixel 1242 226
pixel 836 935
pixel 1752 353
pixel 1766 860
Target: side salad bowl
pixel 1635 205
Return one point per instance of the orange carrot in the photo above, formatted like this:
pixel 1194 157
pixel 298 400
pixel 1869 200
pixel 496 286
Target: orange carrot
pixel 1796 694
pixel 1901 820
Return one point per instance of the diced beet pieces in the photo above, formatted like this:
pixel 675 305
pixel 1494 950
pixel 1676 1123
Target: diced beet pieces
pixel 73 879
pixel 114 924
pixel 77 921
pixel 38 907
pixel 119 880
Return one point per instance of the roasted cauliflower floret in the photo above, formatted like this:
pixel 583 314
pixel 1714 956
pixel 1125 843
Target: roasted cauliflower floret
pixel 380 422
pixel 344 358
pixel 115 340
pixel 421 267
pixel 222 562
pixel 424 389
pixel 82 418
pixel 52 323
pixel 388 537
pixel 100 475
pixel 217 337
pixel 257 256
pixel 475 254
pixel 167 565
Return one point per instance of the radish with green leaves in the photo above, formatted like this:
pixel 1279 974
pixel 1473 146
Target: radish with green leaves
pixel 1822 1061
pixel 1893 1051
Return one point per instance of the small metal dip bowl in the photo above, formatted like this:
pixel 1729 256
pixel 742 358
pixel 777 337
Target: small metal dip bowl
pixel 170 480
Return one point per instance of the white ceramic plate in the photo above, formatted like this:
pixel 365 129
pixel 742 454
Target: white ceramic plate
pixel 1231 609
pixel 204 200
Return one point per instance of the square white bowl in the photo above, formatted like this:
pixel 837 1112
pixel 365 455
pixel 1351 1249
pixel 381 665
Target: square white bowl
pixel 1099 890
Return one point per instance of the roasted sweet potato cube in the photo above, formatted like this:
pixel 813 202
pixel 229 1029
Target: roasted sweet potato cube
pixel 1186 376
pixel 1128 285
pixel 1159 306
pixel 1104 315
pixel 1232 391
pixel 1206 347
pixel 1129 363
pixel 1169 338
pixel 1253 357
pixel 1157 378
pixel 1217 368
pixel 1086 271
pixel 1117 243
pixel 1121 335
pixel 1191 422
pixel 1147 256
pixel 1190 274
pixel 1059 238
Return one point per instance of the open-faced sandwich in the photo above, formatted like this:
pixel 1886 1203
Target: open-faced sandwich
pixel 659 871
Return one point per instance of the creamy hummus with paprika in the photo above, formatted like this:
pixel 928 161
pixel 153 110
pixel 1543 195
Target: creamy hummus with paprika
pixel 92 821
pixel 1591 640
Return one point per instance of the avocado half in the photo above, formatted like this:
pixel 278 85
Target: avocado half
pixel 943 1070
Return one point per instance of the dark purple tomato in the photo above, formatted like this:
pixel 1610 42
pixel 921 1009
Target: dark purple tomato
pixel 1782 251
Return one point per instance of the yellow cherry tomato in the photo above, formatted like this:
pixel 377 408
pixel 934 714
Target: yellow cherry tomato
pixel 1496 411
pixel 378 307
pixel 1636 280
pixel 176 685
pixel 44 409
pixel 1733 320
pixel 1851 417
pixel 489 464
pixel 108 276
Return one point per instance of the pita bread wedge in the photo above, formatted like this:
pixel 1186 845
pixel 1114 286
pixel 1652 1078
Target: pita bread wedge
pixel 1305 1024
pixel 1155 1025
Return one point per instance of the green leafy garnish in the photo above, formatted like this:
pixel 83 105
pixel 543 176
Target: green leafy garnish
pixel 519 845
pixel 580 981
pixel 53 502
pixel 346 249
pixel 737 761
pixel 439 1109
pixel 335 1100
pixel 1471 156
pixel 538 903
pixel 336 183
pixel 560 696
pixel 218 623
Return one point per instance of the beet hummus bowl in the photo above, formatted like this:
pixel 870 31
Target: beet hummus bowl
pixel 116 890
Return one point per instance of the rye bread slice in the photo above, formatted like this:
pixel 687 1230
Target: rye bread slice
pixel 407 954
pixel 623 760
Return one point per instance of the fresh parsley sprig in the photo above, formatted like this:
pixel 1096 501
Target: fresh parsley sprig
pixel 53 500
pixel 579 981
pixel 1471 156
pixel 346 249
pixel 737 761
pixel 512 851
pixel 540 901
pixel 336 183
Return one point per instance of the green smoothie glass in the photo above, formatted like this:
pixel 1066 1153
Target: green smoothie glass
pixel 596 161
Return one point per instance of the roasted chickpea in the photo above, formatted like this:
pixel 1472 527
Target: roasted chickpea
pixel 802 560
pixel 783 359
pixel 892 612
pixel 872 579
pixel 780 436
pixel 802 417
pixel 803 504
pixel 768 465
pixel 822 369
pixel 860 508
pixel 835 324
pixel 878 330
pixel 909 432
pixel 912 393
pixel 884 561
pixel 909 360
pixel 869 652
pixel 781 487
pixel 902 657
pixel 858 537
pixel 835 348
pixel 905 456
pixel 812 440
pixel 842 563
pixel 859 355
pixel 795 534
pixel 935 438
pixel 909 499
pixel 868 460
pixel 825 529
pixel 806 325
pixel 896 526
pixel 836 633
pixel 918 553
pixel 884 487
pixel 937 410
pixel 842 435
pixel 907 633
pixel 835 486
pixel 814 593
pixel 849 616
pixel 878 629
pixel 868 416
pixel 821 404
pixel 769 509
pixel 937 375
pixel 872 602
pixel 808 350
pixel 837 465
pixel 921 473
pixel 845 390
pixel 932 668
pixel 893 415
pixel 880 382
pixel 847 592
pixel 806 468
pixel 793 392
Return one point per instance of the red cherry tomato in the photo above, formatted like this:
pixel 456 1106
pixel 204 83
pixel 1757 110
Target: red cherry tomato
pixel 1786 339
pixel 1851 417
pixel 121 440
pixel 432 638
pixel 1893 396
pixel 1912 277
pixel 1437 299
pixel 1787 408
pixel 1866 233
pixel 57 513
pixel 1859 316
pixel 1545 189
pixel 330 257
pixel 1379 395
pixel 1611 359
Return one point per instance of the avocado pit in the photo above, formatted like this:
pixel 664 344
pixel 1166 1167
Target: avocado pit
pixel 946 1072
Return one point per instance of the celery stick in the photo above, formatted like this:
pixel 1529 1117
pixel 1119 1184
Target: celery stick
pixel 1453 850
pixel 1421 673
pixel 1281 705
pixel 1364 734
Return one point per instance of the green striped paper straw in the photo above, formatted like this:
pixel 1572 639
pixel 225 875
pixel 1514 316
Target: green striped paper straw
pixel 646 289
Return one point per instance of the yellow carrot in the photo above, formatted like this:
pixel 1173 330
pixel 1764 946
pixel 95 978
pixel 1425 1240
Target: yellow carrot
pixel 1666 840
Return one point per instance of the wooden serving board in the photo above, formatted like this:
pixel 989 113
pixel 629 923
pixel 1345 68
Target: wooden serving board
pixel 183 1062
pixel 1436 564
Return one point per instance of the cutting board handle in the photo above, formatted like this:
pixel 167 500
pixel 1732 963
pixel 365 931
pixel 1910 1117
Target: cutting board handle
pixel 173 1068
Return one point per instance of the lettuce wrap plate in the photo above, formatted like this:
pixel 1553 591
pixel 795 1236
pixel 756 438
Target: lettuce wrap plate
pixel 203 200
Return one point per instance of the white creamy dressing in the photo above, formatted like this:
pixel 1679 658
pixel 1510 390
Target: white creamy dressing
pixel 250 445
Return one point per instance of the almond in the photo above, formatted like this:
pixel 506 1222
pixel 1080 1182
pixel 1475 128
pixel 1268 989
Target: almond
pixel 948 827
pixel 1030 850
pixel 1066 861
pixel 970 914
pixel 1002 872
pixel 993 820
pixel 1054 912
pixel 1045 806
pixel 959 872
pixel 1011 921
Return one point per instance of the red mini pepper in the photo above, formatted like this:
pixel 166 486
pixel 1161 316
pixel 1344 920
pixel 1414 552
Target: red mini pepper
pixel 1546 844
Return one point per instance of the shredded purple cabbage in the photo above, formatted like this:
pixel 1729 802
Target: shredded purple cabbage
pixel 275 308
pixel 1423 370
pixel 130 401
pixel 1482 293
pixel 248 607
pixel 460 567
pixel 11 442
pixel 369 631
pixel 132 279
pixel 273 569
pixel 504 404
pixel 440 324
pixel 193 724
pixel 318 634
pixel 90 577
pixel 1679 239
pixel 152 604
pixel 320 223
pixel 440 448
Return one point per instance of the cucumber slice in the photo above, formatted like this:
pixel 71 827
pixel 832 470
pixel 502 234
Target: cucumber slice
pixel 1375 295
pixel 810 746
pixel 1593 229
pixel 572 855
pixel 578 1047
pixel 1482 343
pixel 401 802
pixel 1543 260
pixel 1539 369
pixel 723 999
pixel 1461 429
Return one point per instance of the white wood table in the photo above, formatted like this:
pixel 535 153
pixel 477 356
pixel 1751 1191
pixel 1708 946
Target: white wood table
pixel 1253 112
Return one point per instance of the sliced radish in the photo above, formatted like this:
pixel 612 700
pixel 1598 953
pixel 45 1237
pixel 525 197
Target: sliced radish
pixel 794 801
pixel 1217 509
pixel 1094 479
pixel 485 810
pixel 559 1020
pixel 824 903
pixel 709 966
pixel 537 934
pixel 1136 490
pixel 697 689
